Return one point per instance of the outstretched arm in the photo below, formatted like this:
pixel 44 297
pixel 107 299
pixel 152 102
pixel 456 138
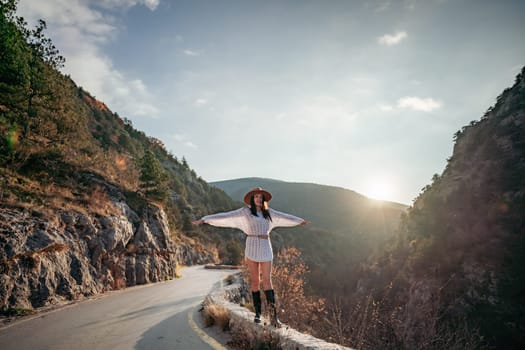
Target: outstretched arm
pixel 228 219
pixel 280 219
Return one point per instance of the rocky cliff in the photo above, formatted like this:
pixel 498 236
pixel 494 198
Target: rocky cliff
pixel 46 260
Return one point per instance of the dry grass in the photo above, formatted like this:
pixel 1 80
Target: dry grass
pixel 17 312
pixel 246 340
pixel 178 270
pixel 216 315
pixel 48 198
pixel 230 280
pixel 32 194
pixel 54 247
pixel 32 259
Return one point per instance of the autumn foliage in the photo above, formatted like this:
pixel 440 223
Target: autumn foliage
pixel 295 308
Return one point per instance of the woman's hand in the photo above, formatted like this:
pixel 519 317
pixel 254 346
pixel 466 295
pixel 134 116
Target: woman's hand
pixel 198 222
pixel 305 222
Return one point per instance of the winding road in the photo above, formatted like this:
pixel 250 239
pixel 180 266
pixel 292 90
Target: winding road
pixel 157 316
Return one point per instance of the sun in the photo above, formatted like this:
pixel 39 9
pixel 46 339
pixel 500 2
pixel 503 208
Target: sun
pixel 380 189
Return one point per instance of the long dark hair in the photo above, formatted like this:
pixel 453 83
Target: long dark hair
pixel 265 211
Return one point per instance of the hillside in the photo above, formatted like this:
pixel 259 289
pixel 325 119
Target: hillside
pixel 455 275
pixel 87 202
pixel 331 208
pixel 346 227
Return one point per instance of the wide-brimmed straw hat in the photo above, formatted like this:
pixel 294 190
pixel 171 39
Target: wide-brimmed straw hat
pixel 267 195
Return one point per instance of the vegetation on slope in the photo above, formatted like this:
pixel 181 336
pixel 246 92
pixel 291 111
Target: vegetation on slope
pixel 60 148
pixel 454 275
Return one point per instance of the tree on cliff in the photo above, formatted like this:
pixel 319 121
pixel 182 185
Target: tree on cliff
pixel 27 61
pixel 153 178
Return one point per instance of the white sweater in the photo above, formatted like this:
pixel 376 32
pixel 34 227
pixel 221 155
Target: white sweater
pixel 257 249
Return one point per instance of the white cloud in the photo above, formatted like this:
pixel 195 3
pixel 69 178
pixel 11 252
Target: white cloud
pixel 382 7
pixel 78 30
pixel 280 116
pixel 151 4
pixel 145 110
pixel 201 102
pixel 392 39
pixel 386 108
pixel 189 52
pixel 419 104
pixel 74 15
pixel 410 5
pixel 183 140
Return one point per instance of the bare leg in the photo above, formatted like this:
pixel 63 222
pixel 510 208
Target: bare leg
pixel 266 270
pixel 253 268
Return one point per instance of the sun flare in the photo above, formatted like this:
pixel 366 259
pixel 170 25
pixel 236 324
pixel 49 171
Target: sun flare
pixel 380 190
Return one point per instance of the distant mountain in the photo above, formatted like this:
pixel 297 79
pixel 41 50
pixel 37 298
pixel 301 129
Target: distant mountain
pixel 346 226
pixel 328 207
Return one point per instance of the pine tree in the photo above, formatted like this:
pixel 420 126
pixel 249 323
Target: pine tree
pixel 153 178
pixel 27 62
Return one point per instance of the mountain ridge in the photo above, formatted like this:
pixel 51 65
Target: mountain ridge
pixel 346 226
pixel 254 179
pixel 288 193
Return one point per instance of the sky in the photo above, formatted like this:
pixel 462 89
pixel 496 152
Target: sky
pixel 364 95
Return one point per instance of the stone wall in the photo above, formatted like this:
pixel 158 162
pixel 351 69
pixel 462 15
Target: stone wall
pixel 241 322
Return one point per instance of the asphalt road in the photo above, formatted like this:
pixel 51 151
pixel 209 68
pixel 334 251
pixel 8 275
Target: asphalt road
pixel 145 317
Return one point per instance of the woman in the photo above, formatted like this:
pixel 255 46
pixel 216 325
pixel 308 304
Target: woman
pixel 257 221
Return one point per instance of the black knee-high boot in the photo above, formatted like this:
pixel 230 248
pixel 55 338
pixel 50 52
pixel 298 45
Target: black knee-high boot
pixel 270 298
pixel 256 298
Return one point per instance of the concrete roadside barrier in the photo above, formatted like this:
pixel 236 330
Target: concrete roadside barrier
pixel 241 322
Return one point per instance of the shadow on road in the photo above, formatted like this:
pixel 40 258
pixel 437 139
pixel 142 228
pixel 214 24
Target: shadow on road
pixel 173 332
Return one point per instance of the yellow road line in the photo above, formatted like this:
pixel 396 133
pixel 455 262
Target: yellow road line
pixel 205 337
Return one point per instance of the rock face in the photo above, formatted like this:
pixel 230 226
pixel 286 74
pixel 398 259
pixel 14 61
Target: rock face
pixel 47 260
pixel 456 273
